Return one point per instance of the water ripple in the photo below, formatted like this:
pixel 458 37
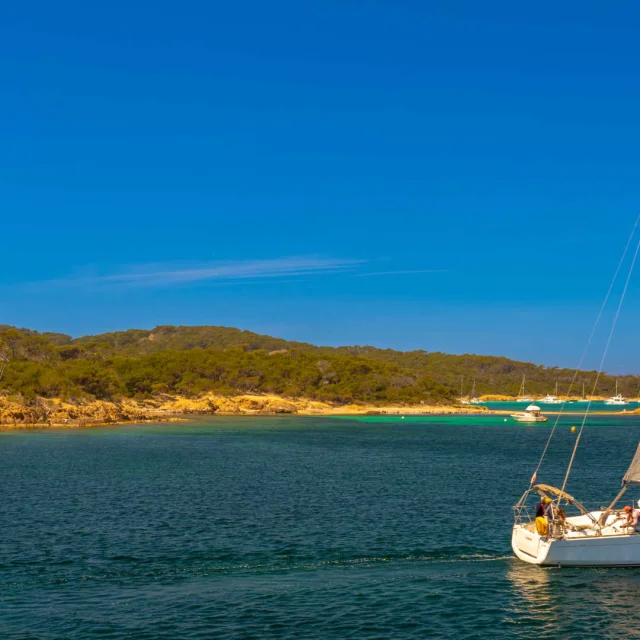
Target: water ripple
pixel 269 530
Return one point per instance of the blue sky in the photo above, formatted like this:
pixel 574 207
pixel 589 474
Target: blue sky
pixel 450 176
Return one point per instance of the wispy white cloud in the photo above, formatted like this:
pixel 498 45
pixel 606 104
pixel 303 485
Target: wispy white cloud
pixel 158 275
pixel 401 272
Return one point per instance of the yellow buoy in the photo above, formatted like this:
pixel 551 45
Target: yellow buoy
pixel 573 429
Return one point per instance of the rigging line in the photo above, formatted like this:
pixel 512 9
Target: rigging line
pixel 584 353
pixel 604 356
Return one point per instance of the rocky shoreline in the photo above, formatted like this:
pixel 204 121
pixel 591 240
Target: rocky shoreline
pixel 16 413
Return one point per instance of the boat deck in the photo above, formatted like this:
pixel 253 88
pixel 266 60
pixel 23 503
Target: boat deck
pixel 582 527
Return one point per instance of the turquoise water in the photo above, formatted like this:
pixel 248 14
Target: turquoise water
pixel 569 407
pixel 268 527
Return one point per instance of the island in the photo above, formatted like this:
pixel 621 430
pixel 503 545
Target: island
pixel 165 373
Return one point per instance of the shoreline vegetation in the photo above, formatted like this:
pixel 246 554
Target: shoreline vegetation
pixel 52 379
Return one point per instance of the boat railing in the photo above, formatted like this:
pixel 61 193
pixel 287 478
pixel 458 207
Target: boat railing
pixel 522 514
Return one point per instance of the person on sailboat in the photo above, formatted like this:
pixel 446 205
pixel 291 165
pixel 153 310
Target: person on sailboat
pixel 549 512
pixel 632 518
pixel 628 516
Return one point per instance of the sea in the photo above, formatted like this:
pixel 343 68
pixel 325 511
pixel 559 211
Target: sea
pixel 300 527
pixel 577 408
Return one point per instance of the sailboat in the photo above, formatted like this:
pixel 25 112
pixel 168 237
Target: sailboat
pixel 521 395
pixel 583 398
pixel 463 400
pixel 549 399
pixel 595 538
pixel 587 539
pixel 473 399
pixel 618 399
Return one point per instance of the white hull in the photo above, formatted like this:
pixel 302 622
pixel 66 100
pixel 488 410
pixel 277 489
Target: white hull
pixel 530 414
pixel 619 402
pixel 618 399
pixel 525 399
pixel 616 550
pixel 522 418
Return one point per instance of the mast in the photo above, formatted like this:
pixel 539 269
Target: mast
pixel 599 371
pixel 461 386
pixel 611 332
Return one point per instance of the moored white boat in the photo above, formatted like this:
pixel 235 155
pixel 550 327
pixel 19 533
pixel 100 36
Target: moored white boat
pixel 551 399
pixel 473 399
pixel 618 399
pixel 521 394
pixel 583 398
pixel 531 414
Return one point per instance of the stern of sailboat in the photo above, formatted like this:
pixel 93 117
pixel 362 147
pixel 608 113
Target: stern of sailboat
pixel 528 545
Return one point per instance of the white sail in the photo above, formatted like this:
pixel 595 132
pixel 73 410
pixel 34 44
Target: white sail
pixel 633 472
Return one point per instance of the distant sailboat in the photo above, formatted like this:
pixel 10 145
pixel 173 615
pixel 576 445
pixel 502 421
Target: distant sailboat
pixel 463 400
pixel 549 399
pixel 521 395
pixel 473 399
pixel 583 398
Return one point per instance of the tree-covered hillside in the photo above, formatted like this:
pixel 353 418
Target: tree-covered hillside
pixel 193 360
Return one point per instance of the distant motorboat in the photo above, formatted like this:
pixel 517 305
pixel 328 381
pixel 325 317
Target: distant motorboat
pixel 618 399
pixel 532 413
pixel 549 399
pixel 521 395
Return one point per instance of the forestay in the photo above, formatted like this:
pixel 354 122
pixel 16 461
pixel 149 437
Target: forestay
pixel 633 472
